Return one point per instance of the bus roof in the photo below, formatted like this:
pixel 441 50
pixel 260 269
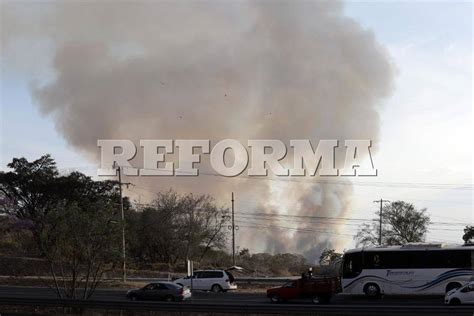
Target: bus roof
pixel 414 246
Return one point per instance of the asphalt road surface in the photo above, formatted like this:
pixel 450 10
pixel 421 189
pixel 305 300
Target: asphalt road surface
pixel 221 298
pixel 235 302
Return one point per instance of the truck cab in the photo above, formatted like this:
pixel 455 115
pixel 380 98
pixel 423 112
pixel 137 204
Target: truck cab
pixel 319 290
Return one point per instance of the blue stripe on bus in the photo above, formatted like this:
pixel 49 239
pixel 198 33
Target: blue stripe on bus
pixel 442 277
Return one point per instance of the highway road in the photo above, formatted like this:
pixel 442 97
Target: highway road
pixel 237 302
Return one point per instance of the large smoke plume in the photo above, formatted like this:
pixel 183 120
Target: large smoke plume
pixel 212 70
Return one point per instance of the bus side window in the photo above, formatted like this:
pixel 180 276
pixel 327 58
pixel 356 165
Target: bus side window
pixel 373 260
pixel 377 261
pixel 347 265
pixel 438 259
pixel 459 259
pixel 352 265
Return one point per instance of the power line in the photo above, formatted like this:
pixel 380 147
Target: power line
pixel 291 228
pixel 262 216
pixel 325 222
pixel 296 230
pixel 305 218
pixel 143 188
pixel 332 218
pixel 468 186
pixel 418 185
pixel 298 221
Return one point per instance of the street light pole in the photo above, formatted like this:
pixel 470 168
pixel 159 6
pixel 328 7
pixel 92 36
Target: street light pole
pixel 381 201
pixel 233 232
pixel 124 255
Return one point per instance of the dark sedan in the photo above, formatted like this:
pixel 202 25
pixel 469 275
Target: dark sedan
pixel 162 291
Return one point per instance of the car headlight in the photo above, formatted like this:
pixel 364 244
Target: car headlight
pixel 451 292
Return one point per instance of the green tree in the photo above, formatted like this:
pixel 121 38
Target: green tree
pixel 329 257
pixel 245 252
pixel 402 223
pixel 71 219
pixel 30 190
pixel 468 234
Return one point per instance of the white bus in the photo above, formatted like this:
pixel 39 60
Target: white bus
pixel 410 269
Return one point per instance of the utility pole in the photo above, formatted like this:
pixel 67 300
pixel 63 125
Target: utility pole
pixel 124 256
pixel 381 201
pixel 233 232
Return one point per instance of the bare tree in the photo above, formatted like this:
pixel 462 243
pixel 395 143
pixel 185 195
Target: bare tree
pixel 176 227
pixel 401 223
pixel 80 245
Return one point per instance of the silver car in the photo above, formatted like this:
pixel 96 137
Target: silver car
pixel 209 280
pixel 461 295
pixel 161 291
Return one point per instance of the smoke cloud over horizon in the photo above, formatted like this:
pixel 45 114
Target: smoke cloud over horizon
pixel 210 70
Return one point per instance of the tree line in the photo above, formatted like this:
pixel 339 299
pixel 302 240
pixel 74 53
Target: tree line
pixel 174 227
pixel 73 224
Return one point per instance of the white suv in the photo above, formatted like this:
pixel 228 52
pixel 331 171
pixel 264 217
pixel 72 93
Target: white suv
pixel 209 280
pixel 462 295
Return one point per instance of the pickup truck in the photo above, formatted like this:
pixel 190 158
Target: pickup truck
pixel 318 289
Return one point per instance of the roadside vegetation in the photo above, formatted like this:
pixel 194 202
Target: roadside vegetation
pixel 401 223
pixel 66 229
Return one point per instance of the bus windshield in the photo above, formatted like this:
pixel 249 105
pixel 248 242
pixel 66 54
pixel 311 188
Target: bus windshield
pixel 352 265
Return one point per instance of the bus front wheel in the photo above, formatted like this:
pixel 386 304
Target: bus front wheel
pixel 372 290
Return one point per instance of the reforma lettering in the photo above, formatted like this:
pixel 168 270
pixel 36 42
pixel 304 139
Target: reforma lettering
pixel 261 156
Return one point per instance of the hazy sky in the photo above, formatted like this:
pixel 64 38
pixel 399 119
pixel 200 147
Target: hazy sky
pixel 426 130
pixel 427 125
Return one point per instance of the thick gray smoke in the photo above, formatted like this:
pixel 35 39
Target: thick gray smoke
pixel 212 70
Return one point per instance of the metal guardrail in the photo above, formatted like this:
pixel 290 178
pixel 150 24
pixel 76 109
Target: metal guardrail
pixel 237 279
pixel 152 279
